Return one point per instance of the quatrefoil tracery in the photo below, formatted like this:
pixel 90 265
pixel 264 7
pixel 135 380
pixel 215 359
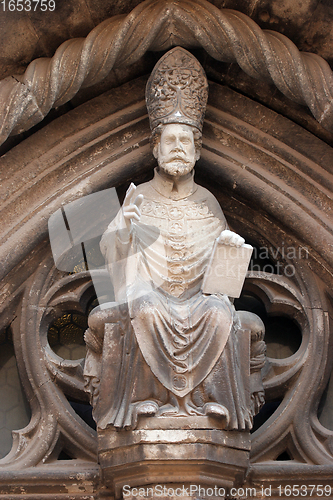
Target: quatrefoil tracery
pixel 54 379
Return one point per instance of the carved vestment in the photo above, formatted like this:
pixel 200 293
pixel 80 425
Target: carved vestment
pixel 173 339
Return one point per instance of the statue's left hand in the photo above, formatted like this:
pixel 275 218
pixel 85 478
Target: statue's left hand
pixel 230 238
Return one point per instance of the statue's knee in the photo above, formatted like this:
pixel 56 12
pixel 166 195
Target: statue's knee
pixel 101 315
pixel 219 308
pixel 252 322
pixel 145 306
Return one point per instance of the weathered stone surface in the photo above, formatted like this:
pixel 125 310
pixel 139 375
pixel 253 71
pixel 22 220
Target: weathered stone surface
pixel 80 480
pixel 205 454
pixel 171 345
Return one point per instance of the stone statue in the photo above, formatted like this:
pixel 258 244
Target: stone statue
pixel 165 348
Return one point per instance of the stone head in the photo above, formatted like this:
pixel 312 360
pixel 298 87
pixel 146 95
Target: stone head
pixel 176 146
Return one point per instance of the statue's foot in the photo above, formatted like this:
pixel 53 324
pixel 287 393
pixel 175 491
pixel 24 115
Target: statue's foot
pixel 218 411
pixel 147 408
pixel 168 410
pixel 143 409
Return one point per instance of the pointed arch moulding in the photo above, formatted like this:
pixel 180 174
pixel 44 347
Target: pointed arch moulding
pixel 227 35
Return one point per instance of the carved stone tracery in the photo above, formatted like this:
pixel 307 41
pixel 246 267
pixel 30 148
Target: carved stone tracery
pixel 294 426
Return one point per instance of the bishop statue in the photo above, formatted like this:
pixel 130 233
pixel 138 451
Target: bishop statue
pixel 165 347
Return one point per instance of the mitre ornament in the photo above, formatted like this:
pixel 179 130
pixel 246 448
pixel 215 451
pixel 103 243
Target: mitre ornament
pixel 177 90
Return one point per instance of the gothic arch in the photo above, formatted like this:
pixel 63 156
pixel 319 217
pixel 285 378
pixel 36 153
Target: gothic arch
pixel 273 180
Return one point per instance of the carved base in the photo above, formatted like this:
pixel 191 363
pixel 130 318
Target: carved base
pixel 184 450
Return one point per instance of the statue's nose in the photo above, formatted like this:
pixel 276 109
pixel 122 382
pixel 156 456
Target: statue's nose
pixel 178 145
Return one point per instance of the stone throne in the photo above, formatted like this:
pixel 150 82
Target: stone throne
pixel 173 371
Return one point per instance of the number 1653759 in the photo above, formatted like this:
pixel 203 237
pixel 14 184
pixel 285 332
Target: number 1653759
pixel 28 5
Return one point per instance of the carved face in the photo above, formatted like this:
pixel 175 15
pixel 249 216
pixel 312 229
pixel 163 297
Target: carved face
pixel 176 153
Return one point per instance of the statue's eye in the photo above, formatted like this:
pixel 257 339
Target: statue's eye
pixel 169 139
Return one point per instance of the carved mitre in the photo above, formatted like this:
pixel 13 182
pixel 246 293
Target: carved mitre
pixel 177 90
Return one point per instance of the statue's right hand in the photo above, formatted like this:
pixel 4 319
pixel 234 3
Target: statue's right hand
pixel 132 210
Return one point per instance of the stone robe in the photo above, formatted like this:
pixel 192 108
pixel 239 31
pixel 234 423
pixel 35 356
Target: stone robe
pixel 173 346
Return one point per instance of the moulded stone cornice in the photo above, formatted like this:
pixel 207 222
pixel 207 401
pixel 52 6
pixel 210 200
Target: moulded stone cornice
pixel 226 35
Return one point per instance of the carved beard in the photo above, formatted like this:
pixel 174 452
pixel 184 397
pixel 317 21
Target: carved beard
pixel 176 166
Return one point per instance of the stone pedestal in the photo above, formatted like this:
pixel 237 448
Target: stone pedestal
pixel 177 450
